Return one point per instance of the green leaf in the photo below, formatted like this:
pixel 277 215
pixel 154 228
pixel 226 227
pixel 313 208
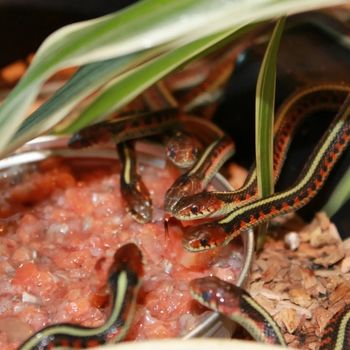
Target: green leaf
pixel 143 26
pixel 132 84
pixel 137 27
pixel 264 109
pixel 264 119
pixel 85 81
pixel 340 195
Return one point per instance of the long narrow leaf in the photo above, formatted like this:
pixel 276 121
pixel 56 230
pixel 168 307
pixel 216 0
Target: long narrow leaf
pixel 264 109
pixel 132 84
pixel 85 81
pixel 340 195
pixel 87 42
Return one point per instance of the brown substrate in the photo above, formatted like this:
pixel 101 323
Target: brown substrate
pixel 302 288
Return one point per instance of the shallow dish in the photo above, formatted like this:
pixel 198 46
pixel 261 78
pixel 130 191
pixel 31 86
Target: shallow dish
pixel 44 147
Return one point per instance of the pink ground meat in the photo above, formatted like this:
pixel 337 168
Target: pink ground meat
pixel 59 230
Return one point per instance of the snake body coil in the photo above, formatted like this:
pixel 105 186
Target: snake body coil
pixel 125 128
pixel 321 97
pixel 311 179
pixel 336 335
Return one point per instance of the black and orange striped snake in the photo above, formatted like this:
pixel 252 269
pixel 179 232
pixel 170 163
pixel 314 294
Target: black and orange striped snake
pixel 237 304
pixel 322 97
pixel 233 301
pixel 181 148
pixel 242 208
pixel 124 281
pixel 253 212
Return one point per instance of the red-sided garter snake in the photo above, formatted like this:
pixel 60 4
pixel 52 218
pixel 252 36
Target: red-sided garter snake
pixel 124 282
pixel 306 101
pixel 237 304
pixel 311 179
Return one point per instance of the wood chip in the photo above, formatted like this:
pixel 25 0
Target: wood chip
pixel 319 290
pixel 282 273
pixel 255 276
pixel 270 273
pixel 309 279
pixel 305 232
pixel 320 238
pixel 304 236
pixel 286 304
pixel 257 285
pixel 346 246
pixel 289 318
pixel 345 265
pixel 313 346
pixel 290 338
pixel 307 251
pixel 330 256
pixel 337 307
pixel 321 316
pixel 300 297
pixel 268 304
pixel 262 264
pixel 342 292
pixel 269 294
pixel 296 274
pixel 281 287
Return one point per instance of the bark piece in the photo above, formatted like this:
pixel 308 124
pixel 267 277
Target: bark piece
pixel 345 265
pixel 300 297
pixel 330 256
pixel 289 318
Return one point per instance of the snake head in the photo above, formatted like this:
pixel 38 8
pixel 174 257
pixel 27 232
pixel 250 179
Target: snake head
pixel 216 294
pixel 197 206
pixel 183 186
pixel 93 134
pixel 127 258
pixel 138 200
pixel 182 150
pixel 203 237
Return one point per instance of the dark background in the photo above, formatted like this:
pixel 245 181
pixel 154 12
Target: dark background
pixel 24 24
pixel 308 53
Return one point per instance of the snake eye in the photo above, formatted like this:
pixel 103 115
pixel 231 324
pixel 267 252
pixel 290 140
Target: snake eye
pixel 204 242
pixel 194 209
pixel 171 153
pixel 206 295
